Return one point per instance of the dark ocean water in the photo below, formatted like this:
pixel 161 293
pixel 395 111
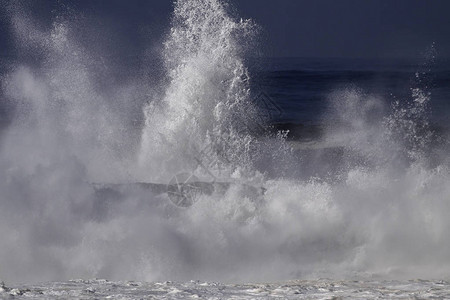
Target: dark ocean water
pixel 302 86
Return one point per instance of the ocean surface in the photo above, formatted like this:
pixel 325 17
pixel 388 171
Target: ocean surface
pixel 302 87
pixel 202 171
pixel 298 289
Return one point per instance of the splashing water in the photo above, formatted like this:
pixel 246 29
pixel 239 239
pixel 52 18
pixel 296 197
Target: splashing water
pixel 208 91
pixel 379 207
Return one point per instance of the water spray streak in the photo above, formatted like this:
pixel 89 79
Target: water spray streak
pixel 83 190
pixel 207 96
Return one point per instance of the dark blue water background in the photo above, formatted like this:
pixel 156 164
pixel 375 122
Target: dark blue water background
pixel 302 86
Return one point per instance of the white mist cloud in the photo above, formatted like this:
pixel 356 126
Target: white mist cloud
pixel 374 209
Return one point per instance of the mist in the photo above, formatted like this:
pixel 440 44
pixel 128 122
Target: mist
pixel 77 122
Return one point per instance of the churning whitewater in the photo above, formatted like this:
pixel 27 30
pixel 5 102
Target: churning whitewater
pixel 87 166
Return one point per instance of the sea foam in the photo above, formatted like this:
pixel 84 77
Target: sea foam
pixel 378 208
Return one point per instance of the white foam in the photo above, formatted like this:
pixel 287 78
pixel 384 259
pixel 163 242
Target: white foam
pixel 382 210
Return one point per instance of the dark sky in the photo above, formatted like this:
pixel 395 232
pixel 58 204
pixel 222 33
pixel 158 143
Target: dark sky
pixel 352 28
pixel 302 28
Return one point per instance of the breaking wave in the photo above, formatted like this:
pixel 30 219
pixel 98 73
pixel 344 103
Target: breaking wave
pixel 370 198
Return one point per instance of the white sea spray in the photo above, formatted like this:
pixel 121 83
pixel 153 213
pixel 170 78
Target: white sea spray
pixel 379 207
